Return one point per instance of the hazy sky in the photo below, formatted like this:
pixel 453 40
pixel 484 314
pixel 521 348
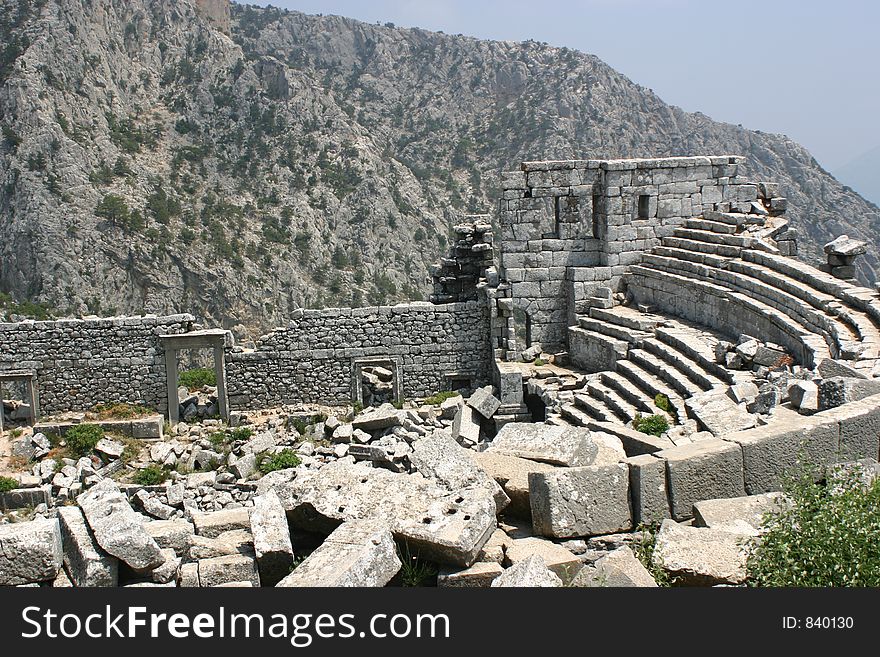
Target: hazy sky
pixel 806 68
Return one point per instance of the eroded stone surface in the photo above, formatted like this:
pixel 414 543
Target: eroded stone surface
pixel 556 445
pixel 30 552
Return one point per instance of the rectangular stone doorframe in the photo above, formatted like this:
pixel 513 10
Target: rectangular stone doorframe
pixel 216 339
pixel 33 396
pixel 357 366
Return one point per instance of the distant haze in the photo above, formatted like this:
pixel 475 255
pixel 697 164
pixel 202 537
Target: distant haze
pixel 804 68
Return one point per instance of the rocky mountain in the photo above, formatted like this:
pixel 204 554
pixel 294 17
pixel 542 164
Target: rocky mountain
pixel 238 162
pixel 863 174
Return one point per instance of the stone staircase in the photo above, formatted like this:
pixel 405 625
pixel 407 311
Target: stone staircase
pixel 717 274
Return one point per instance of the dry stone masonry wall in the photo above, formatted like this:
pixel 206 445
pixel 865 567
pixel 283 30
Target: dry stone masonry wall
pixel 82 363
pixel 316 358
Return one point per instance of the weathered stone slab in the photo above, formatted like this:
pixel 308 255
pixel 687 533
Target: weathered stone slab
pixel 375 419
pixel 30 552
pixel 233 568
pixel 216 522
pixel 442 459
pixel 484 402
pixel 512 474
pixel 619 568
pixel 740 515
pixel 172 534
pixel 561 561
pixel 700 556
pixel 447 527
pixel 86 563
pixel 21 498
pixel 480 575
pixel 859 423
pixel 556 445
pixel 784 447
pixel 168 571
pixel 647 482
pixel 529 573
pixel 360 553
pixel 706 469
pixel 841 390
pixel 271 535
pixel 588 501
pixel 718 413
pixel 829 369
pixel 466 426
pixel 117 528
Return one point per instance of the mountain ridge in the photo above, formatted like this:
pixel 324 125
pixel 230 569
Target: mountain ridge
pixel 154 160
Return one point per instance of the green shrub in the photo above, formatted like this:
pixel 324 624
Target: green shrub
pixel 439 398
pixel 539 362
pixel 828 536
pixel 219 438
pixel 653 425
pixel 197 378
pixel 242 433
pixel 283 460
pixel 82 438
pixel 661 401
pixel 414 570
pixel 7 484
pixel 152 475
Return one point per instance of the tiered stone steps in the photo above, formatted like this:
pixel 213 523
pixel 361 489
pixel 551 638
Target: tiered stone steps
pixel 808 305
pixel 662 356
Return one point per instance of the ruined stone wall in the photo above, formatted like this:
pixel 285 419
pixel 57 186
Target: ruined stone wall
pixel 82 363
pixel 569 227
pixel 314 359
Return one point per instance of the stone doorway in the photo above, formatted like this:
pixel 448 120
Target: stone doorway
pixel 376 381
pixel 214 340
pixel 28 380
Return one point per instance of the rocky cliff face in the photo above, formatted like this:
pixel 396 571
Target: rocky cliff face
pixel 163 155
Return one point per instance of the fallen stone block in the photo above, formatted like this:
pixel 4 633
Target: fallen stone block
pixel 374 419
pixel 743 393
pixel 556 445
pixel 495 548
pixel 804 396
pixel 840 390
pixel 446 527
pixel 707 469
pixel 87 564
pixel 245 466
pixel 512 474
pixel 117 528
pixel 859 423
pixel 442 459
pixel 480 575
pixel 201 547
pixel 829 369
pixel 271 535
pixel 449 407
pixel 233 568
pixel 154 507
pixel 214 523
pixel 466 427
pixel 619 568
pixel 574 502
pixel 484 402
pixel 360 553
pixel 172 534
pixel 718 413
pixel 188 575
pixel 168 571
pixel 609 448
pixel 739 515
pixel 647 481
pixel 529 573
pixel 699 556
pixel 30 552
pixel 22 498
pixel 564 563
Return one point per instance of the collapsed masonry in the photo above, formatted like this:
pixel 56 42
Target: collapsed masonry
pixel 623 289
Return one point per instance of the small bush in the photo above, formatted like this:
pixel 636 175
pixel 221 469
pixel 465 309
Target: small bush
pixel 653 425
pixel 82 438
pixel 661 401
pixel 242 433
pixel 197 378
pixel 300 425
pixel 827 536
pixel 7 484
pixel 219 438
pixel 439 398
pixel 539 362
pixel 283 460
pixel 152 475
